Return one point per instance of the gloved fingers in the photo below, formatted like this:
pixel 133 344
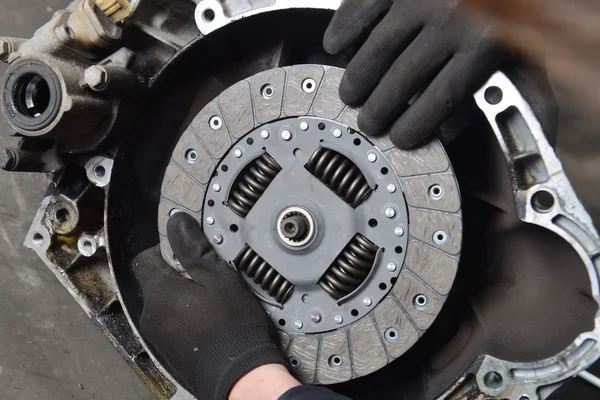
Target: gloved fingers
pixel 151 270
pixel 376 56
pixel 435 104
pixel 191 247
pixel 352 21
pixel 417 65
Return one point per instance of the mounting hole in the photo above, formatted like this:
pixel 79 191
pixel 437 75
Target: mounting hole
pixel 281 322
pixel 384 171
pixel 297 152
pixel 391 335
pixel 38 239
pixel 62 215
pixel 215 122
pixel 398 249
pixel 436 192
pixel 357 142
pixel 542 201
pixel 32 95
pixel 393 280
pixel 524 397
pixel 321 126
pixel 382 286
pixel 100 171
pixel 420 302
pixel 354 313
pixel 250 141
pixel 208 15
pixel 305 298
pixel 309 85
pixel 224 168
pixel 493 95
pixel 373 223
pixel 440 237
pixel 87 246
pixel 234 228
pixel 191 156
pixel 211 203
pixel 335 361
pixel 267 91
pixel 493 380
pixel 295 362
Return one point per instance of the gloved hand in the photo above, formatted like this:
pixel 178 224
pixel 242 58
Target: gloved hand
pixel 211 331
pixel 425 47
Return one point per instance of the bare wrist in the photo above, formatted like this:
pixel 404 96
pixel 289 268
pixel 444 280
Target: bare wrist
pixel 268 382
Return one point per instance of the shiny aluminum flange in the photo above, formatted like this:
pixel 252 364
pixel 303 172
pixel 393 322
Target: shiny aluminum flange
pixel 282 119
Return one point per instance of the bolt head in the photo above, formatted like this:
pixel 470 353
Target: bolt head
pixel 399 231
pixel 210 221
pixel 337 133
pixel 218 239
pixel 390 212
pixel 338 319
pixel 304 126
pixel 367 301
pixel 96 77
pixel 264 134
pixel 216 187
pixel 391 267
pixel 391 188
pixel 237 153
pixel 315 317
pixel 372 157
pixel 286 135
pixel 298 324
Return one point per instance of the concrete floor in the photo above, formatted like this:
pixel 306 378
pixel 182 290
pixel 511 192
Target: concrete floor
pixel 49 349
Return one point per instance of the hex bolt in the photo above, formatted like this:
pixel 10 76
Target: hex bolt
pixel 304 126
pixel 264 134
pixel 315 317
pixel 210 221
pixel 298 324
pixel 338 319
pixel 218 239
pixel 96 77
pixel 372 157
pixel 337 133
pixel 216 187
pixel 390 212
pixel 399 231
pixel 237 153
pixel 391 188
pixel 286 135
pixel 367 301
pixel 391 267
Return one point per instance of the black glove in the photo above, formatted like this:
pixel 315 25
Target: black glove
pixel 209 332
pixel 425 47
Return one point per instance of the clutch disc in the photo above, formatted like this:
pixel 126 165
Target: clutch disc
pixel 350 244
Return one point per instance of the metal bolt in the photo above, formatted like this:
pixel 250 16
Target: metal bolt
pixel 304 126
pixel 264 134
pixel 315 317
pixel 96 77
pixel 337 133
pixel 391 188
pixel 338 319
pixel 399 231
pixel 367 301
pixel 390 212
pixel 237 153
pixel 286 135
pixel 372 157
pixel 191 156
pixel 215 122
pixel 218 239
pixel 216 187
pixel 298 324
pixel 210 221
pixel 391 267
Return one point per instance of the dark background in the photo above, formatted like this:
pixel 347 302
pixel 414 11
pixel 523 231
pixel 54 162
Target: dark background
pixel 49 349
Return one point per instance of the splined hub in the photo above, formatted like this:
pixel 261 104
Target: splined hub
pixel 336 233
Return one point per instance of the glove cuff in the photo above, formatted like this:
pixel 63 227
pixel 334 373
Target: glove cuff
pixel 233 356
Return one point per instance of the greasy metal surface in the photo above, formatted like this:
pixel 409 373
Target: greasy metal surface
pixel 251 118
